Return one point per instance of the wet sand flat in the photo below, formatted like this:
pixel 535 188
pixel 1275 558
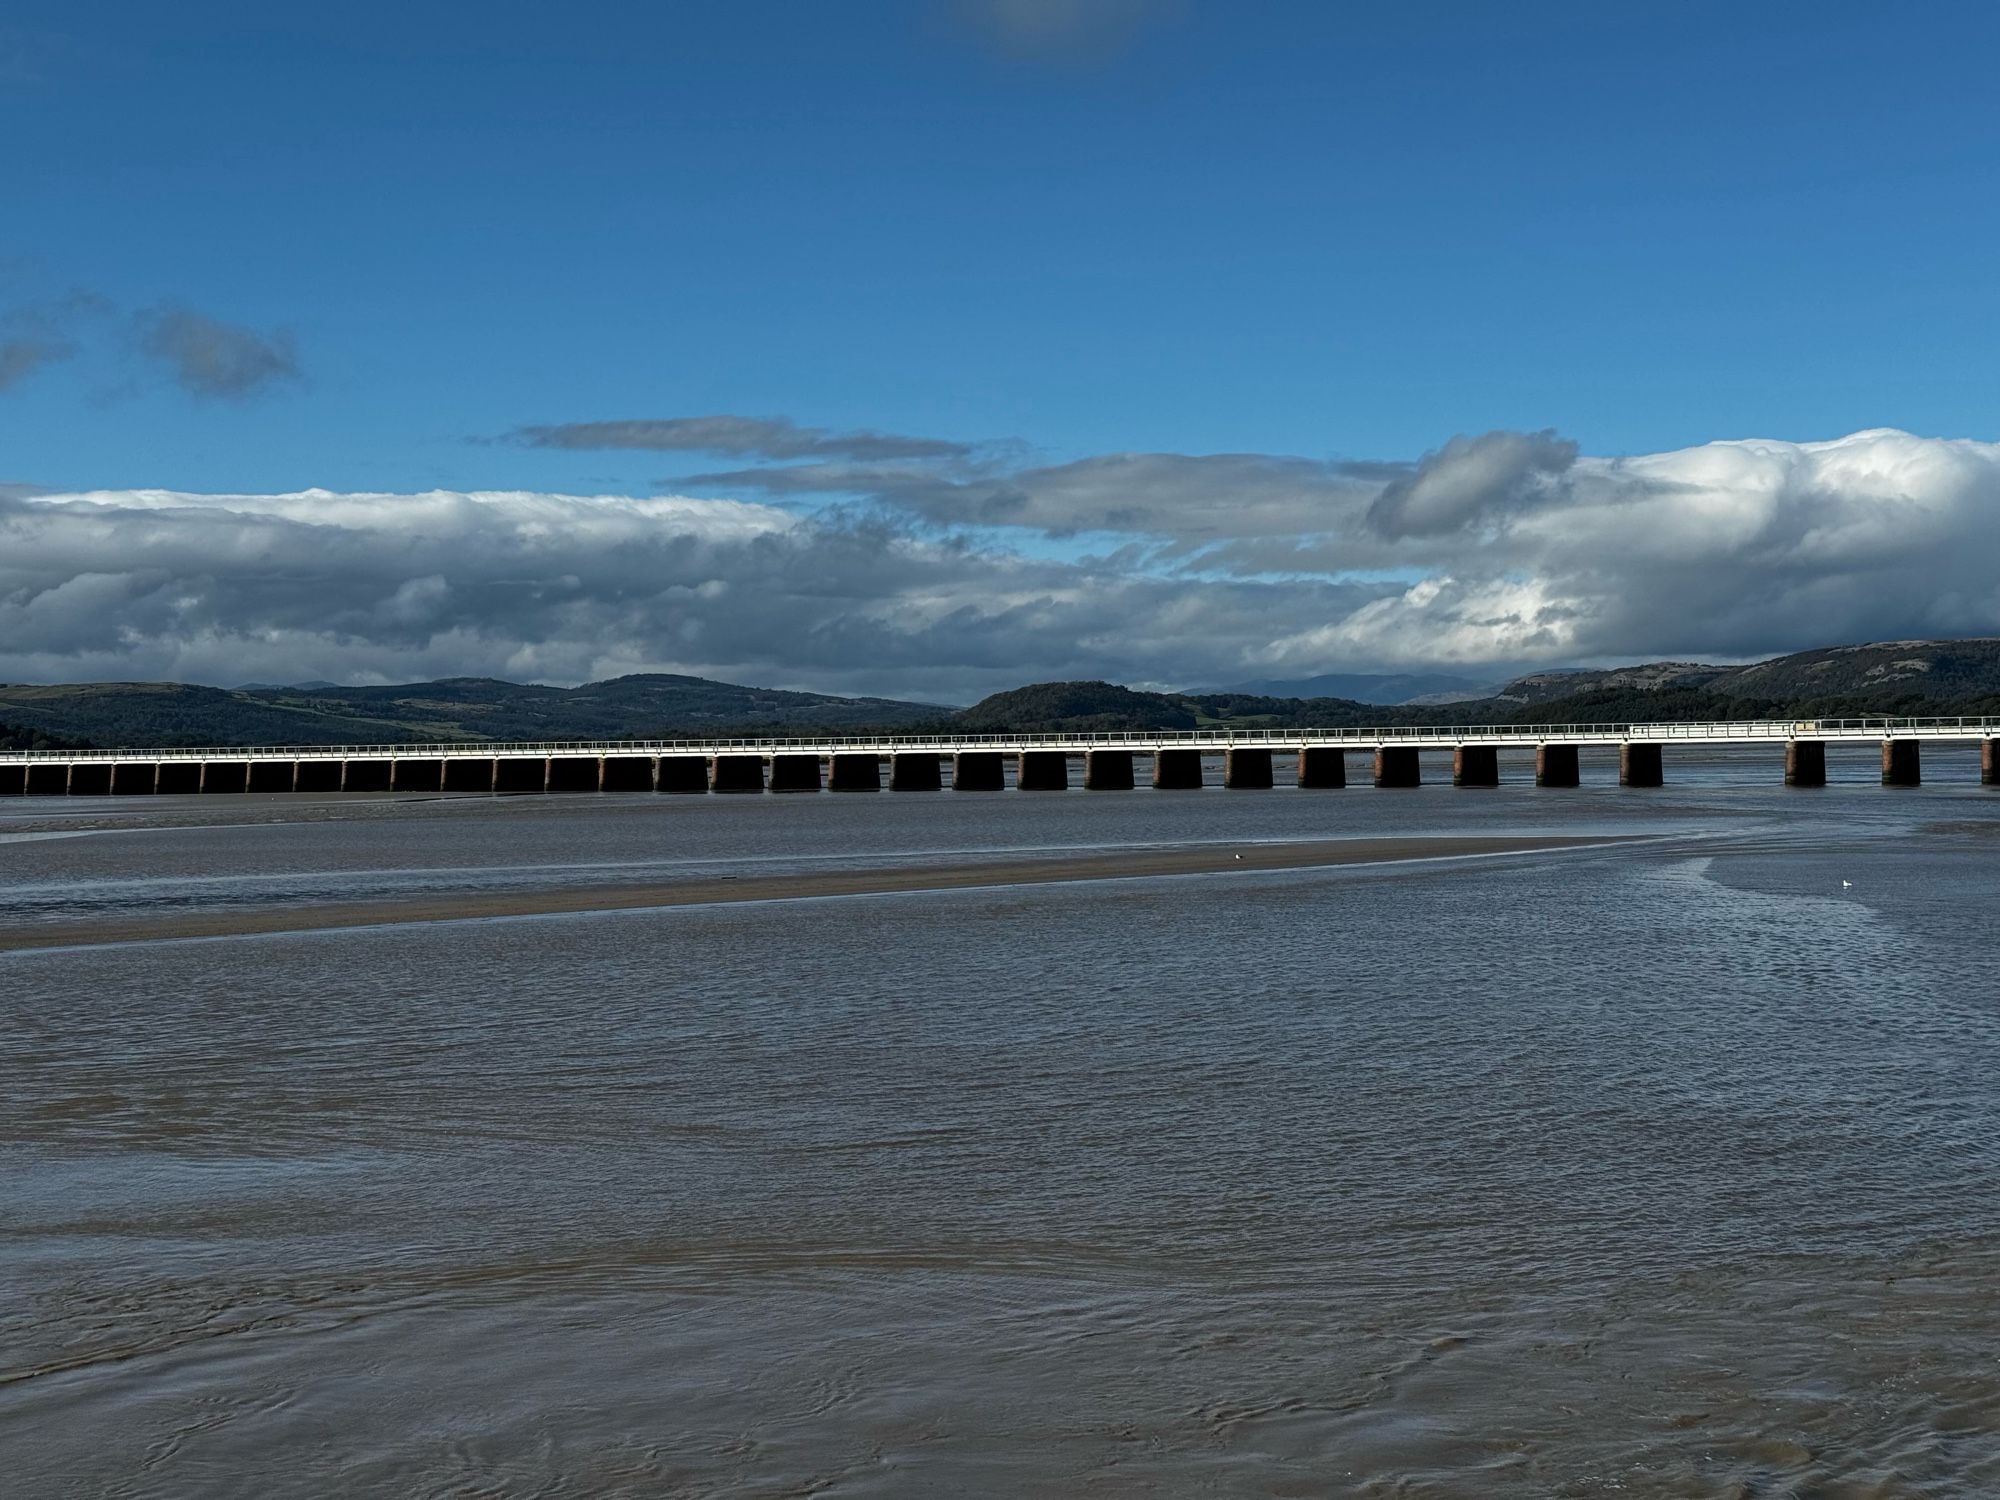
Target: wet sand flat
pixel 1205 859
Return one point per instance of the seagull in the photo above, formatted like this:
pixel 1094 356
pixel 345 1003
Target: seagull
pixel 1239 856
pixel 1846 885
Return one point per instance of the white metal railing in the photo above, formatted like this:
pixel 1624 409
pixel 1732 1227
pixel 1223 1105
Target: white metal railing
pixel 1427 735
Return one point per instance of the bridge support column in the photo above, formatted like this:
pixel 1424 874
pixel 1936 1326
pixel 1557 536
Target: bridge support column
pixel 1107 770
pixel 134 778
pixel 179 778
pixel 1555 765
pixel 916 771
pixel 317 776
pixel 90 778
pixel 1397 766
pixel 514 774
pixel 1475 765
pixel 419 774
pixel 574 773
pixel 1640 765
pixel 1989 762
pixel 46 779
pixel 224 776
pixel 1902 763
pixel 736 773
pixel 274 775
pixel 1805 762
pixel 1322 766
pixel 1177 770
pixel 795 773
pixel 628 773
pixel 1245 769
pixel 1042 771
pixel 978 771
pixel 470 773
pixel 856 773
pixel 13 781
pixel 362 776
pixel 683 774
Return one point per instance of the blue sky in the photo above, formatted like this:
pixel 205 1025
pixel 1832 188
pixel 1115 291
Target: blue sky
pixel 1059 228
pixel 1320 229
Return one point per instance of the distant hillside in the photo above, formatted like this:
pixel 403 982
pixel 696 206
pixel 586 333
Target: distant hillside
pixel 1369 687
pixel 1884 677
pixel 459 708
pixel 1076 707
pixel 1893 677
pixel 1093 707
pixel 1897 677
pixel 1546 687
pixel 13 737
pixel 1932 670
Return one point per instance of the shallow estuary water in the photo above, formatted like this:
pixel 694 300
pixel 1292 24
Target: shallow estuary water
pixel 1663 1168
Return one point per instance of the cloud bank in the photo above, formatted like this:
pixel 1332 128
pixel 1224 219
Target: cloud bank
pixel 1494 553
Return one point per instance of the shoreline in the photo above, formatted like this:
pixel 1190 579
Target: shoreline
pixel 1207 859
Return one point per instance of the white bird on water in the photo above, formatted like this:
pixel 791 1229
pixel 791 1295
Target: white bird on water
pixel 1846 885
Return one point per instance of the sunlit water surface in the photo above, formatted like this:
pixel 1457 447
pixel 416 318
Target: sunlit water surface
pixel 1662 1169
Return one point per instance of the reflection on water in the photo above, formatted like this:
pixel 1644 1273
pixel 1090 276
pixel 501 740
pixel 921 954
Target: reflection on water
pixel 1659 1170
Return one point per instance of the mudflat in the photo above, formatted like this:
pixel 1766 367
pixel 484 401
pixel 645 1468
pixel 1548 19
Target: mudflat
pixel 1123 864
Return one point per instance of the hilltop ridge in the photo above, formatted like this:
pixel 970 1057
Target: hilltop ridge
pixel 1883 677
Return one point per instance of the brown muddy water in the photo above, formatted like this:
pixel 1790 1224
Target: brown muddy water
pixel 1658 1168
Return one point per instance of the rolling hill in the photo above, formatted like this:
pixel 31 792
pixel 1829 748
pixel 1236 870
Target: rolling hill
pixel 458 708
pixel 1889 677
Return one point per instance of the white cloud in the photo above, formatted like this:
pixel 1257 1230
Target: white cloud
pixel 1240 564
pixel 377 587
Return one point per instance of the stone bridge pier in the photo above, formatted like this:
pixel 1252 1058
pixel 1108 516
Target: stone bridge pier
pixel 1902 763
pixel 854 773
pixel 916 771
pixel 1107 771
pixel 795 773
pixel 373 776
pixel 1397 766
pixel 1245 769
pixel 1556 765
pixel 1042 771
pixel 1639 764
pixel 466 774
pixel 1475 765
pixel 1177 771
pixel 1805 762
pixel 980 771
pixel 682 774
pixel 521 773
pixel 1322 767
pixel 739 773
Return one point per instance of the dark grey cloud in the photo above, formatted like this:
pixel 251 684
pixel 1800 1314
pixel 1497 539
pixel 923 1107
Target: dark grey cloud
pixel 22 357
pixel 35 335
pixel 210 358
pixel 739 437
pixel 1470 479
pixel 1190 497
pixel 1063 31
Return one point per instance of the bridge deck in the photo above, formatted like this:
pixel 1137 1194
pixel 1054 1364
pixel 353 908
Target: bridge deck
pixel 1423 737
